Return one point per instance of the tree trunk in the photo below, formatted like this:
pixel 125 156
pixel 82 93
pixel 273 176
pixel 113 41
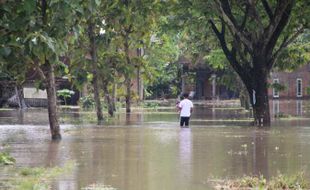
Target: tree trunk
pixel 258 93
pixel 128 94
pixel 20 97
pixel 93 53
pixel 49 79
pixel 108 99
pixel 51 102
pixel 114 96
pixel 127 77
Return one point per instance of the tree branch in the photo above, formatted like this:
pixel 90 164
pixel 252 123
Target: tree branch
pixel 276 26
pixel 286 41
pixel 40 72
pixel 231 56
pixel 245 17
pixel 225 11
pixel 267 9
pixel 254 13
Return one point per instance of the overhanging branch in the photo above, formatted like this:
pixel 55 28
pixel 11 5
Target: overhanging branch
pixel 225 10
pixel 276 26
pixel 231 55
pixel 286 41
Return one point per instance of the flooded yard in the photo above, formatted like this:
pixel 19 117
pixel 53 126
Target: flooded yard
pixel 147 150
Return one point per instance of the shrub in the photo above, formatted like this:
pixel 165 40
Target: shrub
pixel 87 102
pixel 6 159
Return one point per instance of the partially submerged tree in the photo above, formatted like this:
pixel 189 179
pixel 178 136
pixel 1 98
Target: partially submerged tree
pixel 133 22
pixel 38 31
pixel 252 35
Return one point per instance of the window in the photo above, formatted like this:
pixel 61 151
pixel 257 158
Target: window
pixel 275 91
pixel 299 87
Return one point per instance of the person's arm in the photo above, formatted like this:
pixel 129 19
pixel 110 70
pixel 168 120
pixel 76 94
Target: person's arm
pixel 180 106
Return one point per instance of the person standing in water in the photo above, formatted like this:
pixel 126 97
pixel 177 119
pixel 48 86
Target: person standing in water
pixel 186 108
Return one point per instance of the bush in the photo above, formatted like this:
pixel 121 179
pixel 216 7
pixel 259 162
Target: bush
pixel 294 182
pixel 65 93
pixel 6 159
pixel 87 102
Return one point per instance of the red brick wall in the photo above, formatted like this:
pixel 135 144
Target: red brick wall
pixel 289 79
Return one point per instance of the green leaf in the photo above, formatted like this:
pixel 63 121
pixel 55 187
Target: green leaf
pixel 29 6
pixel 97 2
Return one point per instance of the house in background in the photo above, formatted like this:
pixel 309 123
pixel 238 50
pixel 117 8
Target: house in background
pixel 199 78
pixel 296 84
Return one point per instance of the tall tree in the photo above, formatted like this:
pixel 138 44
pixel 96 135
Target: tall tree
pixel 133 22
pixel 94 63
pixel 39 30
pixel 252 35
pixel 84 50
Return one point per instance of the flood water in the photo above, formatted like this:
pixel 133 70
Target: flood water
pixel 147 150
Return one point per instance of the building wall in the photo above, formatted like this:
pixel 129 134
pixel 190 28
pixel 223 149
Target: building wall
pixel 289 80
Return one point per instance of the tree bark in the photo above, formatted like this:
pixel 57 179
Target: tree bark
pixel 127 76
pixel 93 53
pixel 258 92
pixel 20 97
pixel 108 99
pixel 48 76
pixel 128 94
pixel 51 102
pixel 114 96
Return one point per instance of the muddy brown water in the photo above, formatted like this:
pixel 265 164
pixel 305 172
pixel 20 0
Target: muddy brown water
pixel 148 151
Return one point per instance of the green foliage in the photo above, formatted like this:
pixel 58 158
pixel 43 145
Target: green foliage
pixel 29 40
pixel 37 178
pixel 6 159
pixel 296 54
pixel 278 86
pixel 293 182
pixel 162 69
pixel 152 105
pixel 308 90
pixel 65 93
pixel 216 59
pixel 87 102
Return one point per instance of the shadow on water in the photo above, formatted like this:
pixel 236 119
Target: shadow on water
pixel 147 149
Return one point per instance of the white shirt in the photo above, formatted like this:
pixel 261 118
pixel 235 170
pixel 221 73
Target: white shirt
pixel 185 106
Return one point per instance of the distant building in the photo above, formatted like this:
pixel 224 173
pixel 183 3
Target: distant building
pixel 296 84
pixel 200 79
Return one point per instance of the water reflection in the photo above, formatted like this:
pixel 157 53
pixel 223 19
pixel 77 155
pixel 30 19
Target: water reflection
pixel 185 157
pixel 275 107
pixel 158 154
pixel 299 108
pixel 289 107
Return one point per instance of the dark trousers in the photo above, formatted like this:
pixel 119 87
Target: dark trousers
pixel 184 120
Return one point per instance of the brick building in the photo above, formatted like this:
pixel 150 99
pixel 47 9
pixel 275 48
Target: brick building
pixel 296 84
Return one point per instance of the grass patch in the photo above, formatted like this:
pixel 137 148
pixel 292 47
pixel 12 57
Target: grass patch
pixel 37 178
pixel 6 159
pixel 294 182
